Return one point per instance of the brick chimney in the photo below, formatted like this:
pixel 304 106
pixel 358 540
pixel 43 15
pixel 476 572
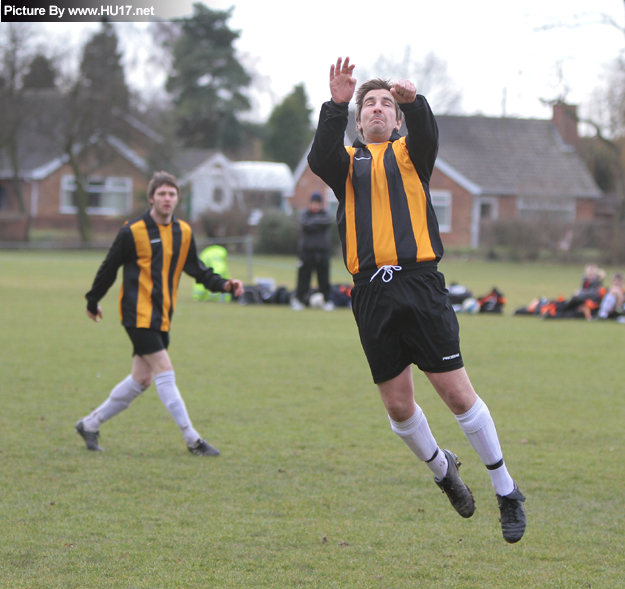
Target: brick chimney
pixel 565 121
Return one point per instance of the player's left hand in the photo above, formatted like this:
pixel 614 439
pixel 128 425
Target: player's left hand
pixel 235 287
pixel 404 91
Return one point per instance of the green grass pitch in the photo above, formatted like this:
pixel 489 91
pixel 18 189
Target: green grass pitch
pixel 312 489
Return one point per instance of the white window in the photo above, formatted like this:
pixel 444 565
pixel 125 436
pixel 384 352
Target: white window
pixel 105 196
pixel 547 209
pixel 441 201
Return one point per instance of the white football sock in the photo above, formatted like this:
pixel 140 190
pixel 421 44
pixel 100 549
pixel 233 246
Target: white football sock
pixel 607 305
pixel 170 396
pixel 120 398
pixel 416 434
pixel 479 427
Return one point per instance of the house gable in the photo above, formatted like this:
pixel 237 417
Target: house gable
pixel 218 184
pixel 46 181
pixel 522 157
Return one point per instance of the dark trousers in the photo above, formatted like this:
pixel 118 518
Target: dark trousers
pixel 309 261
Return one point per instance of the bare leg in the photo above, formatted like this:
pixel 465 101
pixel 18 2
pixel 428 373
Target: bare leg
pixel 398 395
pixel 455 389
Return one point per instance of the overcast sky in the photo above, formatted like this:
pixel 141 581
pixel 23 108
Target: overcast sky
pixel 490 46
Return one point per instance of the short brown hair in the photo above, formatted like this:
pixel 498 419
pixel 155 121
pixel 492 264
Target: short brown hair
pixel 160 178
pixel 375 84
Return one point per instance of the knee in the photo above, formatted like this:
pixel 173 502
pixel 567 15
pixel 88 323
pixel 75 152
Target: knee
pixel 399 409
pixel 461 403
pixel 144 380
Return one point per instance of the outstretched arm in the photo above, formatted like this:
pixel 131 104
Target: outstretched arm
pixel 404 91
pixel 422 138
pixel 342 84
pixel 235 287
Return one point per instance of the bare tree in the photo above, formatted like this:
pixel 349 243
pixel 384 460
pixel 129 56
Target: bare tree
pixel 84 117
pixel 430 75
pixel 583 20
pixel 15 55
pixel 606 116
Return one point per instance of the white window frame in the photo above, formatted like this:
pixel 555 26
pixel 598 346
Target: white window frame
pixel 566 207
pixel 119 184
pixel 494 207
pixel 442 199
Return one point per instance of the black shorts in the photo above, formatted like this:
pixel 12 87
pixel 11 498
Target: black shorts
pixel 407 320
pixel 147 341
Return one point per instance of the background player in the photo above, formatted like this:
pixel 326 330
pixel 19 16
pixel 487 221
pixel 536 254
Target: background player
pixel 154 250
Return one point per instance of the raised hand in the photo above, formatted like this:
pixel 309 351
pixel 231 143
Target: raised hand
pixel 404 91
pixel 342 85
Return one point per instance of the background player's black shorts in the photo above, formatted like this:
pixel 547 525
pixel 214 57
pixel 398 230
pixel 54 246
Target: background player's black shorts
pixel 408 320
pixel 147 341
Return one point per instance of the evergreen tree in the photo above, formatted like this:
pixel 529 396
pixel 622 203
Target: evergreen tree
pixel 207 80
pixel 41 74
pixel 289 131
pixel 102 73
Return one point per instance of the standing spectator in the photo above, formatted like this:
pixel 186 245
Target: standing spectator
pixel 314 253
pixel 154 250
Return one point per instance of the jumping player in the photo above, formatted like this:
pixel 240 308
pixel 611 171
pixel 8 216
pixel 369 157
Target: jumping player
pixel 391 246
pixel 154 249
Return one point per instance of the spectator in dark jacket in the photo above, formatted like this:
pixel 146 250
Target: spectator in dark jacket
pixel 314 253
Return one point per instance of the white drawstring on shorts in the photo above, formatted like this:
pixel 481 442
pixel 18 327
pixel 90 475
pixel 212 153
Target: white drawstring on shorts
pixel 387 276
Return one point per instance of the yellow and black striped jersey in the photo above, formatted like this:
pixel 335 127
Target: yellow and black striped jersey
pixel 153 256
pixel 385 214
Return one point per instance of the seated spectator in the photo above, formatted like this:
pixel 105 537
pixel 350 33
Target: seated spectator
pixel 587 298
pixel 593 278
pixel 612 302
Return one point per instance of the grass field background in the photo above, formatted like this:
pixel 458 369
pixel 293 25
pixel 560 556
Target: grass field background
pixel 312 488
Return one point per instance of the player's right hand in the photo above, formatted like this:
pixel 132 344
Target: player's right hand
pixel 342 84
pixel 95 317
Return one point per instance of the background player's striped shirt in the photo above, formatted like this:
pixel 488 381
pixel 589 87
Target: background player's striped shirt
pixel 154 257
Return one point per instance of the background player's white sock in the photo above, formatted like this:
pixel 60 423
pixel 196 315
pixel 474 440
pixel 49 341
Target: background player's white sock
pixel 479 427
pixel 416 434
pixel 121 396
pixel 170 397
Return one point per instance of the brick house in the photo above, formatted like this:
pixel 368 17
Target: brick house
pixel 495 168
pixel 47 181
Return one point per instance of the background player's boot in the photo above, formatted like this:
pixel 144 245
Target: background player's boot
pixel 203 448
pixel 513 519
pixel 90 438
pixel 457 492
